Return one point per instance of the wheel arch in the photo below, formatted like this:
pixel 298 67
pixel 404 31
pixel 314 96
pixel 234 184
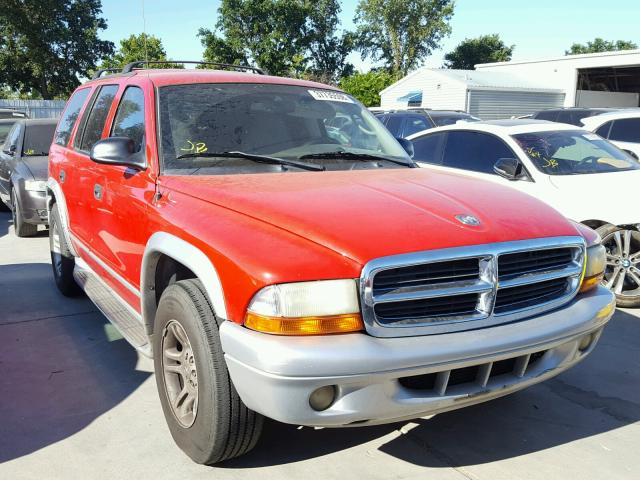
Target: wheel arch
pixel 55 196
pixel 165 252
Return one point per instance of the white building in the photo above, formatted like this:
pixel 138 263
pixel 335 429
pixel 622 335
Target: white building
pixel 500 90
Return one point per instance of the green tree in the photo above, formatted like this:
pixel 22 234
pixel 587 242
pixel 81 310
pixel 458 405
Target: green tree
pixel 366 87
pixel 45 45
pixel 600 45
pixel 401 33
pixel 138 47
pixel 472 51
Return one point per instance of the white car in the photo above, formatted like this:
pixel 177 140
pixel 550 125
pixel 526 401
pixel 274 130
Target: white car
pixel 577 172
pixel 621 127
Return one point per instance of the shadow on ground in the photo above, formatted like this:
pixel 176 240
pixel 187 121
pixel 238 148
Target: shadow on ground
pixel 598 395
pixel 60 371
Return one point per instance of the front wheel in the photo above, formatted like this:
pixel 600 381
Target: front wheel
pixel 62 260
pixel 622 272
pixel 206 417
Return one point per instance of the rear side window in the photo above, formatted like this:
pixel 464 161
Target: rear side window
pixel 95 119
pixel 394 125
pixel 626 130
pixel 429 148
pixel 415 124
pixel 603 130
pixel 37 139
pixel 547 115
pixel 475 151
pixel 70 115
pixel 572 117
pixel 129 121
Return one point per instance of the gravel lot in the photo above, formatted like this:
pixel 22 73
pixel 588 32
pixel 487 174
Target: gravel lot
pixel 77 402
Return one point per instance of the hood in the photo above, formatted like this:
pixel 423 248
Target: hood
pixel 583 197
pixel 38 166
pixel 366 214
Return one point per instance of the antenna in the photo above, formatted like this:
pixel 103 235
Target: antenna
pixel 144 32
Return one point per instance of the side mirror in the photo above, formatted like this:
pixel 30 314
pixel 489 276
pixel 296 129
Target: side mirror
pixel 407 145
pixel 10 151
pixel 118 151
pixel 509 168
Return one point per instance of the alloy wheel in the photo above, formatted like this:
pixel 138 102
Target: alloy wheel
pixel 622 273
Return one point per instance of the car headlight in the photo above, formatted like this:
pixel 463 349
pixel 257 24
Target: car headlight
pixel 35 185
pixel 306 308
pixel 594 264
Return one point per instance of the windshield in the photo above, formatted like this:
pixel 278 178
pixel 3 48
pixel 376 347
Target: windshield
pixel 283 122
pixel 573 152
pixel 37 139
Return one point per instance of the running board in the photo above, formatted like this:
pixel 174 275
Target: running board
pixel 122 316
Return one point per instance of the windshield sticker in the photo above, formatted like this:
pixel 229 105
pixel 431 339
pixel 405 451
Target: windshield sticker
pixel 31 151
pixel 194 147
pixel 591 136
pixel 551 163
pixel 329 96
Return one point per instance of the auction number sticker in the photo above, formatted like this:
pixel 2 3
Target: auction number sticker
pixel 330 96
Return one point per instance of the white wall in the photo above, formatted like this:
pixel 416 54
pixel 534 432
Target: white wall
pixel 588 98
pixel 438 92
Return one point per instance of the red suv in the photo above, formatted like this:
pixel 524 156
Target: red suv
pixel 270 244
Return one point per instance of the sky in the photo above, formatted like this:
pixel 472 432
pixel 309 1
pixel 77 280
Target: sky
pixel 538 28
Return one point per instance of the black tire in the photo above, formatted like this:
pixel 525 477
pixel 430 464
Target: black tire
pixel 62 260
pixel 630 296
pixel 222 427
pixel 20 227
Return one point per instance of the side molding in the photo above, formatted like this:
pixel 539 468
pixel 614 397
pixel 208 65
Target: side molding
pixel 191 257
pixel 55 191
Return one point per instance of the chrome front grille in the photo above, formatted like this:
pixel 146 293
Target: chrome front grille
pixel 469 287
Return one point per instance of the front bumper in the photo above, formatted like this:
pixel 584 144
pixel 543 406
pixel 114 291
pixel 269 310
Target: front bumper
pixel 34 206
pixel 276 375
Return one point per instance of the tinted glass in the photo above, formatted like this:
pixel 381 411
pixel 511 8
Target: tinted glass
pixel 573 152
pixel 626 130
pixel 37 139
pixel 441 119
pixel 572 117
pixel 12 137
pixel 475 151
pixel 415 124
pixel 97 116
pixel 129 121
pixel 394 125
pixel 70 115
pixel 198 121
pixel 5 128
pixel 547 115
pixel 603 130
pixel 429 148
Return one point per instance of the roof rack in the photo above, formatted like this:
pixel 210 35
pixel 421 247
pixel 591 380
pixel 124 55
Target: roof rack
pixel 129 67
pixel 99 73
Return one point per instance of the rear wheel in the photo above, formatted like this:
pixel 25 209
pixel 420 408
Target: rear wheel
pixel 62 260
pixel 22 228
pixel 622 273
pixel 206 417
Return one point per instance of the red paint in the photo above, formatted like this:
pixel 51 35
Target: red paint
pixel 269 228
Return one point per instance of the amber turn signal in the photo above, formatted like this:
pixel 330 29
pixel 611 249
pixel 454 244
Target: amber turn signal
pixel 590 282
pixel 350 322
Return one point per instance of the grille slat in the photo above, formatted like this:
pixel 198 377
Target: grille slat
pixel 522 263
pixel 431 308
pixel 526 295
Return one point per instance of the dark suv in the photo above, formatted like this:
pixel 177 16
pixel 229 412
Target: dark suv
pixel 570 115
pixel 402 123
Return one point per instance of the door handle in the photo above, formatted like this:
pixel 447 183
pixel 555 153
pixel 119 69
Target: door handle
pixel 97 192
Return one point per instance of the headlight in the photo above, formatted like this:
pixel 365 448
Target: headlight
pixel 594 265
pixel 35 186
pixel 306 308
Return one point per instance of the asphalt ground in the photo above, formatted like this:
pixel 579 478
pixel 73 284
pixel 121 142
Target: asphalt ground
pixel 76 401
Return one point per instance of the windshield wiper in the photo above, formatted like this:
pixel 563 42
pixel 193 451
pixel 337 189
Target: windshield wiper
pixel 354 156
pixel 255 158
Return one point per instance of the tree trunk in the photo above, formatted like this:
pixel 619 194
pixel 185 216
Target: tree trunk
pixel 44 89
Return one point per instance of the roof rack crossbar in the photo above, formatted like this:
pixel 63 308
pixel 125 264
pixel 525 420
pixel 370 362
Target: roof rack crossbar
pixel 99 73
pixel 129 67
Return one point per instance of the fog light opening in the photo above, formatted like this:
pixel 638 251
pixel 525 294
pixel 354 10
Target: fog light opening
pixel 323 397
pixel 585 342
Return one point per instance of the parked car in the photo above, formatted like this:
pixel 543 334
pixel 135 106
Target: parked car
pixel 23 173
pixel 620 127
pixel 403 123
pixel 570 115
pixel 271 268
pixel 12 113
pixel 565 166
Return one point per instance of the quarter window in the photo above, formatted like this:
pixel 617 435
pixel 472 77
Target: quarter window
pixel 129 121
pixel 69 117
pixel 429 148
pixel 474 151
pixel 626 130
pixel 603 130
pixel 94 125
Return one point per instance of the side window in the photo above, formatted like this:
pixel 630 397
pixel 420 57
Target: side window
pixel 394 125
pixel 550 115
pixel 571 116
pixel 603 130
pixel 475 151
pixel 129 121
pixel 69 117
pixel 414 124
pixel 95 119
pixel 429 148
pixel 626 130
pixel 12 138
